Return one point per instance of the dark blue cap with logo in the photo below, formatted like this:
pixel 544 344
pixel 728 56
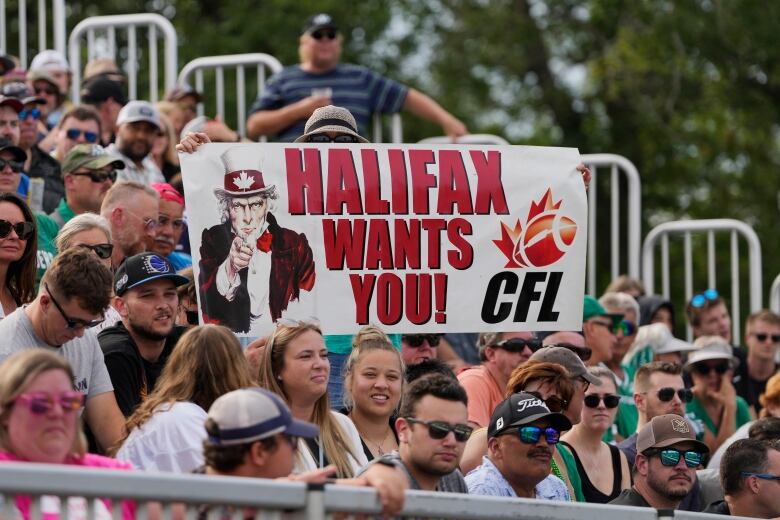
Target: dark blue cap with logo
pixel 145 267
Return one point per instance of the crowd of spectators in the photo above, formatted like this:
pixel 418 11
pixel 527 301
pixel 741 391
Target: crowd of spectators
pixel 99 316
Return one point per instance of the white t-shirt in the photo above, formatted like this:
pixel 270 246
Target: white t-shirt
pixel 170 441
pixel 305 460
pixel 84 354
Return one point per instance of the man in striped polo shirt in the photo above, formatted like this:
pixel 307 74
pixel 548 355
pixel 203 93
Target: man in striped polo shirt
pixel 291 96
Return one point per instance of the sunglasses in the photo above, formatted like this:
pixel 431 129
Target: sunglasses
pixel 324 138
pixel 667 394
pixel 40 403
pixel 701 299
pixel 583 353
pixel 46 90
pixel 416 340
pixel 532 434
pixel 96 176
pixel 610 400
pixel 554 403
pixel 16 166
pixel 103 251
pixel 192 317
pixel 628 328
pixel 440 429
pixel 762 337
pixel 177 223
pixel 35 113
pixel 671 456
pixel 517 345
pixel 319 34
pixel 705 368
pixel 608 325
pixel 23 230
pixel 764 476
pixel 73 323
pixel 150 224
pixel 74 133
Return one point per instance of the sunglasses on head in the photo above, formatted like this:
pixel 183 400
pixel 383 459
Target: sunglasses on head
pixel 701 299
pixel 440 429
pixel 35 113
pixel 553 402
pixel 319 34
pixel 72 323
pixel 40 403
pixel 97 176
pixel 532 434
pixel 705 368
pixel 671 456
pixel 16 166
pixel 416 340
pixel 668 393
pixel 583 353
pixel 23 230
pixel 74 133
pixel 762 337
pixel 610 400
pixel 517 345
pixel 324 138
pixel 103 251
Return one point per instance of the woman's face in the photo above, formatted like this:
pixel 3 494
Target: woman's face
pixel 48 436
pixel 304 377
pixel 91 237
pixel 11 247
pixel 160 144
pixel 376 383
pixel 600 418
pixel 546 390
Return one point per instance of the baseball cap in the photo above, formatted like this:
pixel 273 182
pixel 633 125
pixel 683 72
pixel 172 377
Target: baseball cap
pixel 11 102
pixel 667 430
pixel 168 192
pixel 252 414
pixel 22 92
pixel 706 348
pixel 181 92
pixel 673 344
pixel 591 308
pixel 135 111
pixel 142 268
pixel 319 21
pixel 43 75
pixel 91 157
pixel 523 408
pixel 19 154
pixel 100 89
pixel 568 360
pixel 50 60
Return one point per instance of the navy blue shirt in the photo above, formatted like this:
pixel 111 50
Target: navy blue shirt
pixel 358 89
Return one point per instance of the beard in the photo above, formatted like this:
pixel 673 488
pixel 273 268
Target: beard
pixel 663 488
pixel 147 332
pixel 136 150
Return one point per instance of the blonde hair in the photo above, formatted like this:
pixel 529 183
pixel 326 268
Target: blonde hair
pixel 369 339
pixel 18 371
pixel 333 439
pixel 771 394
pixel 76 225
pixel 206 363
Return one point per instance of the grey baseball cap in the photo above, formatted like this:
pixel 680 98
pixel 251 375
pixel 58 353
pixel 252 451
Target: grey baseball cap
pixel 568 360
pixel 135 111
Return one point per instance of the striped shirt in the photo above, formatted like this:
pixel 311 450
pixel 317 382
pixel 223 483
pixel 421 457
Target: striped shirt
pixel 358 89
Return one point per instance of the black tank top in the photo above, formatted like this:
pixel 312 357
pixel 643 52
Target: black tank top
pixel 589 491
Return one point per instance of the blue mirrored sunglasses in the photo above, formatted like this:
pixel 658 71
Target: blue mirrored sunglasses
pixel 701 299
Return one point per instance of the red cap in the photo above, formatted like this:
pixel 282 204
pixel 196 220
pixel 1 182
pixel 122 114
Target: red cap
pixel 168 192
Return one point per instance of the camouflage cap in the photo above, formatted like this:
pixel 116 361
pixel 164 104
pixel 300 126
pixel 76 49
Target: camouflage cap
pixel 91 157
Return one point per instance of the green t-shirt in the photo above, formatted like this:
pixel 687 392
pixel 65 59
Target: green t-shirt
pixel 695 411
pixel 571 470
pixel 47 232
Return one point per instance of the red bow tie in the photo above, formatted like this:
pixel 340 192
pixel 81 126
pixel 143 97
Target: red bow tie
pixel 264 242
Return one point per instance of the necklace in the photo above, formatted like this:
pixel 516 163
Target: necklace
pixel 378 445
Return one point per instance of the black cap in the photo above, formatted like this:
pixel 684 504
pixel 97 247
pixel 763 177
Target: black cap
pixel 521 409
pixel 319 21
pixel 100 89
pixel 6 64
pixel 145 267
pixel 22 92
pixel 19 154
pixel 11 102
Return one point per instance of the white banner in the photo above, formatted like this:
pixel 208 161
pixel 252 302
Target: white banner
pixel 413 238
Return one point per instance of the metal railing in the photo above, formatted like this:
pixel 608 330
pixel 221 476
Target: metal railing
pixel 467 139
pixel 396 131
pixel 774 295
pixel 270 498
pixel 153 23
pixel 660 235
pixel 57 29
pixel 263 64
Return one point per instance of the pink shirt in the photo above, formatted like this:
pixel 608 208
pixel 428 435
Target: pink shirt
pixel 483 391
pixel 77 506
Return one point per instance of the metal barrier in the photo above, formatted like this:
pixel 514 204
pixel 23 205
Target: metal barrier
pixel 153 23
pixel 467 139
pixel 271 498
pixel 57 29
pixel 710 227
pixel 774 295
pixel 396 132
pixel 262 62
